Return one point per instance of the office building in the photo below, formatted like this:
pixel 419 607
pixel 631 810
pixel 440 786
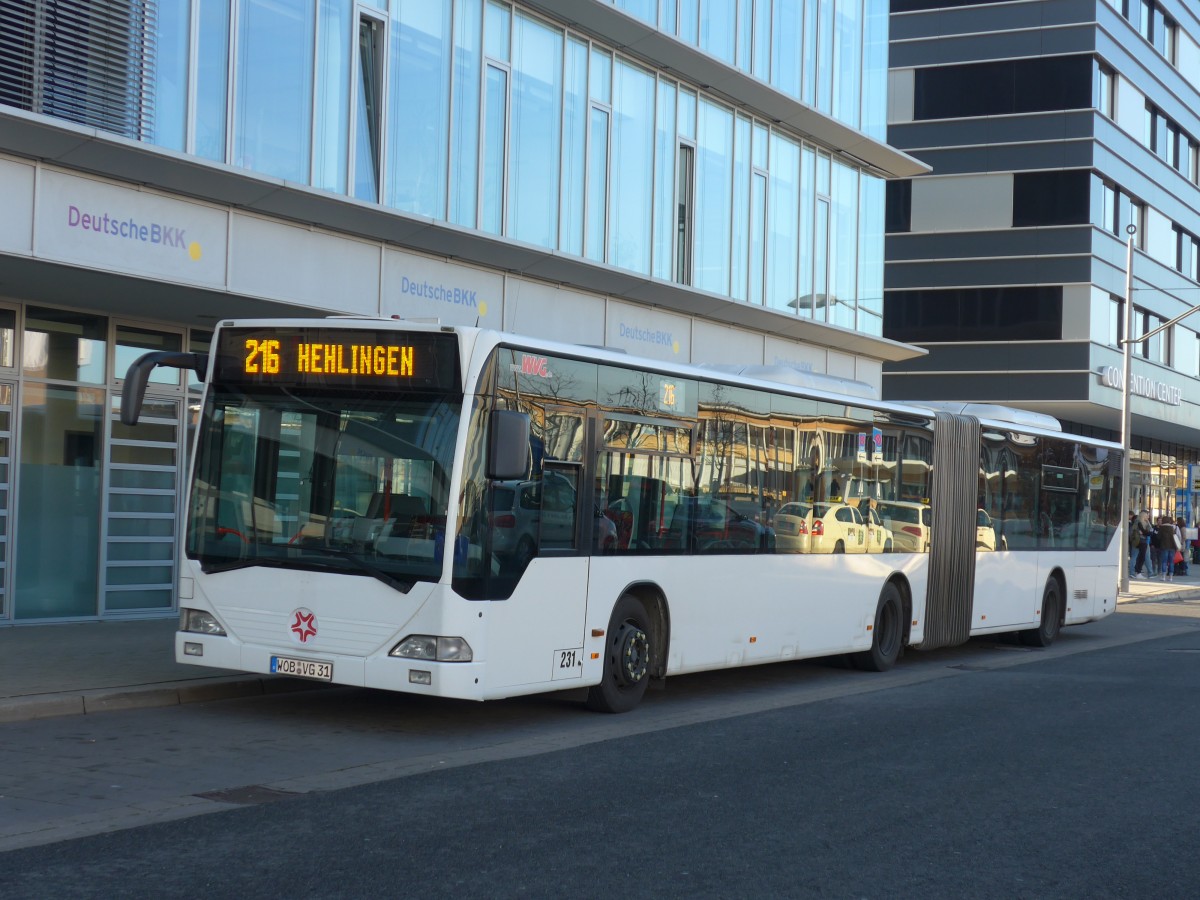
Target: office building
pixel 1051 127
pixel 698 180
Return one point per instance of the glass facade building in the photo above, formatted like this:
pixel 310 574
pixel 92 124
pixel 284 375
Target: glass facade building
pixel 1051 128
pixel 701 180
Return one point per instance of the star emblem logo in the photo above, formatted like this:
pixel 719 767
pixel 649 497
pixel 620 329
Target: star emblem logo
pixel 304 625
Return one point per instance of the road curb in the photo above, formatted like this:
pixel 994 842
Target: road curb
pixel 145 696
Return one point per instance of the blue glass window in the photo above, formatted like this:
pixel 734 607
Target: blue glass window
pixel 464 128
pixel 825 71
pixel 171 74
pixel 714 197
pixel 421 50
pixel 783 226
pixel 718 28
pixel 689 19
pixel 597 184
pixel 761 64
pixel 574 156
pixel 741 208
pixel 808 57
pixel 870 257
pixel 533 191
pixel 847 61
pixel 786 37
pixel 369 114
pixel 808 199
pixel 632 172
pixel 843 246
pixel 331 143
pixel 273 102
pixel 212 78
pixel 495 113
pixel 758 216
pixel 643 9
pixel 664 179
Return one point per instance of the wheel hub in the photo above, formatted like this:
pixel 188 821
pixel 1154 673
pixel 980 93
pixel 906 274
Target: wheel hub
pixel 633 648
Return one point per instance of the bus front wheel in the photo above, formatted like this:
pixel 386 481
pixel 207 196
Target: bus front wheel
pixel 887 635
pixel 626 659
pixel 1047 630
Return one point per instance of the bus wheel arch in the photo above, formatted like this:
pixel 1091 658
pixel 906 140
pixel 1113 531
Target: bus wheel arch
pixel 635 649
pixel 1053 612
pixel 889 633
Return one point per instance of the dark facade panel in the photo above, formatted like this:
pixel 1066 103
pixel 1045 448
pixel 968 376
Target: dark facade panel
pixel 1060 197
pixel 1025 242
pixel 898 210
pixel 1031 313
pixel 989 272
pixel 1000 157
pixel 1042 84
pixel 902 6
pixel 970 16
pixel 1048 356
pixel 947 49
pixel 1010 129
pixel 1011 389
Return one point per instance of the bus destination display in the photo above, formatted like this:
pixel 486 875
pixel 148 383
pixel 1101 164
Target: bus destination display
pixel 324 356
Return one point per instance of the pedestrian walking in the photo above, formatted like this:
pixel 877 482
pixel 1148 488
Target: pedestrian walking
pixel 1166 545
pixel 1139 540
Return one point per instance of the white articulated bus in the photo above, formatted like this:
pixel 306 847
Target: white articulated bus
pixel 464 513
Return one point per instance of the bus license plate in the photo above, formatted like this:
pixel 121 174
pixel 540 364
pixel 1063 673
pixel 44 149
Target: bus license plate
pixel 302 668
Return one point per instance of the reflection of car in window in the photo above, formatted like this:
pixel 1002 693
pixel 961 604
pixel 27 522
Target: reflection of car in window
pixel 716 527
pixel 909 523
pixel 985 532
pixel 526 515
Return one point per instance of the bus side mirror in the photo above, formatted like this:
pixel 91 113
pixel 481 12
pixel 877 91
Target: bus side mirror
pixel 508 447
pixel 133 391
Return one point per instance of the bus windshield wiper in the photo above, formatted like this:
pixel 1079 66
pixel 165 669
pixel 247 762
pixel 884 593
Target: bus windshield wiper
pixel 369 568
pixel 281 562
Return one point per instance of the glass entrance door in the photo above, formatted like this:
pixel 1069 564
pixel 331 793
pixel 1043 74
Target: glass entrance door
pixel 141 485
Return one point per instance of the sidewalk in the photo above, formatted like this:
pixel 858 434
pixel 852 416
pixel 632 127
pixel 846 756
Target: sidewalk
pixel 60 670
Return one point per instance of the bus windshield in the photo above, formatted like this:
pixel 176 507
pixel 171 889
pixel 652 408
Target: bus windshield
pixel 353 480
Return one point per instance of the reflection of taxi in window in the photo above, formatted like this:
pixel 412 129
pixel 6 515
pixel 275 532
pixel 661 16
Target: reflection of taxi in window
pixel 879 536
pixel 821 528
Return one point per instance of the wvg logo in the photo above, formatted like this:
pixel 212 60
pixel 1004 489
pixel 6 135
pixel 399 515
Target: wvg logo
pixel 132 230
pixel 1110 376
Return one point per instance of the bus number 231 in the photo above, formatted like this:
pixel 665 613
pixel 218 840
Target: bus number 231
pixel 568 664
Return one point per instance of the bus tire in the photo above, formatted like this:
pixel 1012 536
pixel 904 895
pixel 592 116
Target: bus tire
pixel 1047 630
pixel 627 651
pixel 887 636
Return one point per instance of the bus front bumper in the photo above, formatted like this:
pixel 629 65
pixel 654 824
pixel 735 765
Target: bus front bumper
pixel 460 680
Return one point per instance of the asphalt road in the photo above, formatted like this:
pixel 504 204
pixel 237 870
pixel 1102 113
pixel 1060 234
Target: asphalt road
pixel 987 771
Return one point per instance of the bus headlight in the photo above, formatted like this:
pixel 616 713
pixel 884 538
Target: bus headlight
pixel 197 621
pixel 427 646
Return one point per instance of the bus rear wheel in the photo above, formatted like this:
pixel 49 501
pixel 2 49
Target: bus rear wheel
pixel 1047 630
pixel 626 659
pixel 887 636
